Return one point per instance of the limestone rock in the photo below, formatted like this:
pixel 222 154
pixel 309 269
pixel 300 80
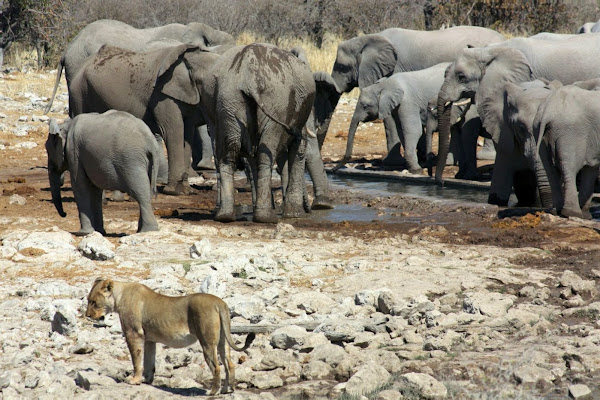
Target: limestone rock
pixel 96 247
pixel 370 376
pixel 423 386
pixel 579 286
pixel 201 249
pixel 579 391
pixel 488 303
pixel 64 320
pixel 292 336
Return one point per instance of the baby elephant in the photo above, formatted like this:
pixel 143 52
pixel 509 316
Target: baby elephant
pixel 110 151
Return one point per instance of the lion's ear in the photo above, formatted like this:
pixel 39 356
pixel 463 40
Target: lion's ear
pixel 107 285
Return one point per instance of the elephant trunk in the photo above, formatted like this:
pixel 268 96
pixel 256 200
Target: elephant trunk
pixel 544 188
pixel 444 111
pixel 54 176
pixel 351 132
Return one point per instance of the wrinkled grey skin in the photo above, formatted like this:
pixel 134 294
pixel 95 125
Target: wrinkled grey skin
pixel 403 96
pixel 327 96
pixel 257 99
pixel 552 36
pixel 110 151
pixel 119 34
pixel 560 143
pixel 363 60
pixel 466 128
pixel 589 27
pixel 160 87
pixel 515 60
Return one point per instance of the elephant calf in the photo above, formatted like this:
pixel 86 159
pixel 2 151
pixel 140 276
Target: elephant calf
pixel 109 151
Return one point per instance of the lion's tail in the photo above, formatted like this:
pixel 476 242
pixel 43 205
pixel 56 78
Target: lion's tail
pixel 226 326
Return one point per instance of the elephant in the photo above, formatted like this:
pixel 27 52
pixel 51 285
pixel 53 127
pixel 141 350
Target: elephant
pixel 552 36
pixel 112 151
pixel 466 128
pixel 479 74
pixel 403 96
pixel 119 34
pixel 363 60
pixel 567 140
pixel 160 87
pixel 327 96
pixel 558 144
pixel 589 27
pixel 256 100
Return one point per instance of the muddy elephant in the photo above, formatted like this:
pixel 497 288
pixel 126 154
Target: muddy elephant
pixel 119 34
pixel 363 60
pixel 480 73
pixel 560 142
pixel 109 151
pixel 257 99
pixel 160 87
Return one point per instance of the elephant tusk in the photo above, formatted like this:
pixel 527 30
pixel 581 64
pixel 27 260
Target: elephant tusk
pixel 462 103
pixel 447 103
pixel 458 119
pixel 311 133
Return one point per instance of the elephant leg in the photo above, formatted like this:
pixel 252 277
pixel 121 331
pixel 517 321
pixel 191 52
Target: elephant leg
pixel 393 134
pixel 189 131
pixel 263 209
pixel 488 152
pixel 171 123
pixel 571 207
pixel 423 148
pixel 467 163
pixel 293 206
pixel 139 190
pixel 163 166
pixel 586 189
pixel 411 130
pixel 225 211
pixel 203 153
pixel 84 192
pixel 525 185
pixel 316 170
pixel 502 181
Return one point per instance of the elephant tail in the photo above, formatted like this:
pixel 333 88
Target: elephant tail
pixel 154 158
pixel 59 69
pixel 293 131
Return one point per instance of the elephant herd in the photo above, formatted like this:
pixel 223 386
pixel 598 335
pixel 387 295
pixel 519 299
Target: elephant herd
pixel 263 105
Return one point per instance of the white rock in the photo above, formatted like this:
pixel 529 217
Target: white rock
pixel 370 376
pixel 577 285
pixel 291 336
pixel 25 145
pixel 58 288
pixel 422 385
pixel 579 391
pixel 201 249
pixel 248 307
pixel 17 199
pixel 96 247
pixel 64 320
pixel 89 379
pixel 40 118
pixel 532 374
pixel 312 302
pixel 266 380
pixel 23 118
pixel 491 304
pixel 214 284
pixel 316 370
pixel 56 241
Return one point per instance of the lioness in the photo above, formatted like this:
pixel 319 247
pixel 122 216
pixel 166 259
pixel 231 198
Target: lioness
pixel 148 317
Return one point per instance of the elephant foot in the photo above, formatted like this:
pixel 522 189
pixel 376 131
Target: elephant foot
pixel 205 164
pixel 173 189
pixel 571 213
pixel 148 228
pixel 486 155
pixel 416 171
pixel 394 160
pixel 225 216
pixel 264 216
pixel 290 211
pixel 85 232
pixel 494 199
pixel 322 203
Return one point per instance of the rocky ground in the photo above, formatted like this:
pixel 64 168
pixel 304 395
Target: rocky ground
pixel 442 300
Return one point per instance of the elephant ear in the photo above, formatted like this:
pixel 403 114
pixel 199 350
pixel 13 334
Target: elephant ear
pixel 501 66
pixel 325 84
pixel 377 59
pixel 175 76
pixel 299 52
pixel 389 99
pixel 57 140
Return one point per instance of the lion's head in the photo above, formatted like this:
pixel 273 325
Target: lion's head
pixel 100 301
